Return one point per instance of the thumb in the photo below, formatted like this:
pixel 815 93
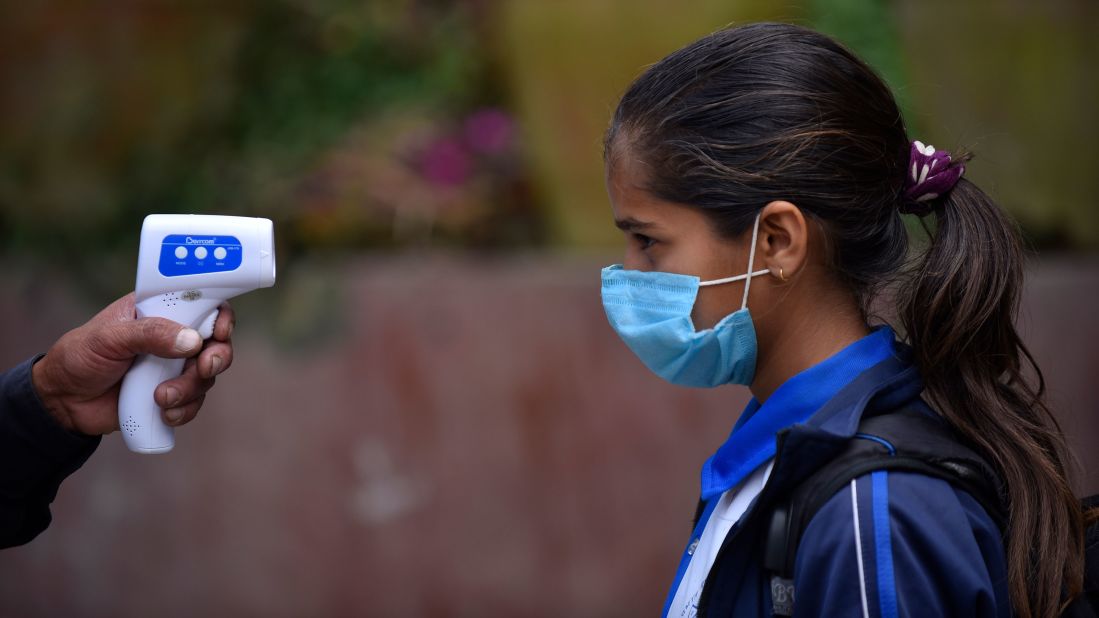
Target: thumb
pixel 156 336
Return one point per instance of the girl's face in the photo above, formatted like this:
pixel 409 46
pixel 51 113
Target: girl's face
pixel 668 237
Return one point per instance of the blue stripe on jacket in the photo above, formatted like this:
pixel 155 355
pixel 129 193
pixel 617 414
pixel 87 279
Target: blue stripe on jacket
pixel 927 549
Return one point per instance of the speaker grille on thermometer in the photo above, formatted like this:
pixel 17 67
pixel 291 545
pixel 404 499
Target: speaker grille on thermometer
pixel 130 426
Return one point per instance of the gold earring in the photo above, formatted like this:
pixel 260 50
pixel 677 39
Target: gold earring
pixel 781 275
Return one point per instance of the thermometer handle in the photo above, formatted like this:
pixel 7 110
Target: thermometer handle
pixel 143 429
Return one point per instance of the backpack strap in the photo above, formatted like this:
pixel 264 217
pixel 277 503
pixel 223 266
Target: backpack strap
pixel 912 439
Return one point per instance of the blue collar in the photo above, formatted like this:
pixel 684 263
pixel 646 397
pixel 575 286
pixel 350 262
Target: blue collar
pixel 752 441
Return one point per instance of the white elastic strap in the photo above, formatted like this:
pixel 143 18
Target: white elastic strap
pixel 748 276
pixel 732 279
pixel 751 262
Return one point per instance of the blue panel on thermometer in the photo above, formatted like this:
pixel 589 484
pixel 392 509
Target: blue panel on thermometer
pixel 182 254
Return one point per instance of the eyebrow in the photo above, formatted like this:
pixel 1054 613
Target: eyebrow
pixel 629 224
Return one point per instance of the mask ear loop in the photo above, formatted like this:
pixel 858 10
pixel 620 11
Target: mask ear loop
pixel 748 276
pixel 751 262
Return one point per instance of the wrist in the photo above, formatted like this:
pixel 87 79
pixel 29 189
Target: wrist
pixel 51 400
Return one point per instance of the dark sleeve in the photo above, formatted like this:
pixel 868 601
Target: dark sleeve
pixel 36 454
pixel 901 545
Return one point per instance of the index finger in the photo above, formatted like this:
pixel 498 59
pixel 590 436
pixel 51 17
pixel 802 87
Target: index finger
pixel 121 310
pixel 227 319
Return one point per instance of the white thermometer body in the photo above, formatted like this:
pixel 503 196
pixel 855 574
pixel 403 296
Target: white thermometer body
pixel 186 266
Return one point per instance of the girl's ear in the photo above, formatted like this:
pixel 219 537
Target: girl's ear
pixel 783 243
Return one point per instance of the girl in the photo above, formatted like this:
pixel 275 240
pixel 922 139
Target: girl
pixel 762 175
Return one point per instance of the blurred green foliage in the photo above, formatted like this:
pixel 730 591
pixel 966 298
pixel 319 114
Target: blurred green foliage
pixel 111 112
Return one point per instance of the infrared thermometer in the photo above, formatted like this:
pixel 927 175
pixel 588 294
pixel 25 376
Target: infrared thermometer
pixel 186 266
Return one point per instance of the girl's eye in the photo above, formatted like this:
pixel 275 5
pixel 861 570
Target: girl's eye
pixel 644 241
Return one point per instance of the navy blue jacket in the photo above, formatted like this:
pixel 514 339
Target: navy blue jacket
pixel 890 544
pixel 36 454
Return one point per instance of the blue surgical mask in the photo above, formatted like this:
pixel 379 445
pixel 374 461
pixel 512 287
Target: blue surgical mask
pixel 651 312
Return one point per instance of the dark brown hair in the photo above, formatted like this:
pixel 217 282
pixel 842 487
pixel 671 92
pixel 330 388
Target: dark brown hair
pixel 765 112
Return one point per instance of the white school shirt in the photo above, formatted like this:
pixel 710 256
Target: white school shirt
pixel 730 508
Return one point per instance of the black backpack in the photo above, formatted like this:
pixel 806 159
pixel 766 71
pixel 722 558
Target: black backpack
pixel 922 443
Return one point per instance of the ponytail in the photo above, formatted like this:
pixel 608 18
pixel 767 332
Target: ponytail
pixel 958 310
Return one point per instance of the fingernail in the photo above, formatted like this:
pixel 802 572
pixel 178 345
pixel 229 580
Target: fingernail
pixel 174 414
pixel 187 340
pixel 215 365
pixel 172 396
pixel 229 332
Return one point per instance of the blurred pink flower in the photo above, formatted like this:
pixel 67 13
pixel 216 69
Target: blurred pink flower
pixel 489 131
pixel 445 163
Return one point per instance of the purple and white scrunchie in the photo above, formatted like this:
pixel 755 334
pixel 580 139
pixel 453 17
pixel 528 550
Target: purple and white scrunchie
pixel 931 174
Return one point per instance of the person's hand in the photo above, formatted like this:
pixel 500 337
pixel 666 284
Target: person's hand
pixel 78 380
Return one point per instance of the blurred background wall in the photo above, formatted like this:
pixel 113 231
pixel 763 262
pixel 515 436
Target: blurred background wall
pixel 428 415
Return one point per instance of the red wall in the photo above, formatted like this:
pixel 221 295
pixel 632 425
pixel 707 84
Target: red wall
pixel 470 439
